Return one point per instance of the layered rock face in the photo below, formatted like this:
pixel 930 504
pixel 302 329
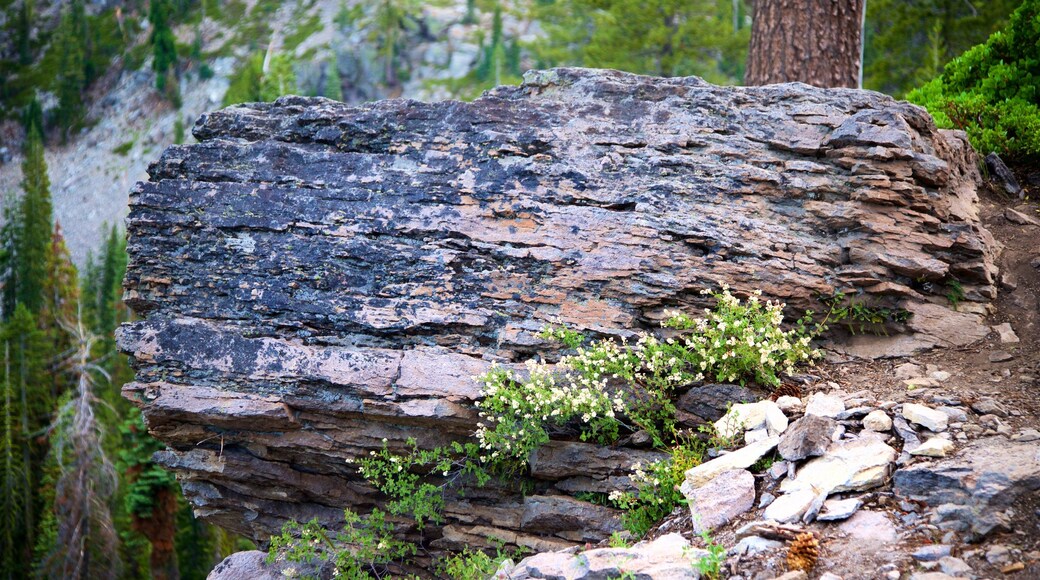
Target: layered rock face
pixel 314 278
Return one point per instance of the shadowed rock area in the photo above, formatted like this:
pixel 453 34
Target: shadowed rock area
pixel 313 277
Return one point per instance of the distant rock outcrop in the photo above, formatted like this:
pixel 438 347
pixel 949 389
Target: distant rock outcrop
pixel 314 278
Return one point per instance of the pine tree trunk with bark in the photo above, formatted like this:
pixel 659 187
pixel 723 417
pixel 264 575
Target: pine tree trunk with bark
pixel 816 42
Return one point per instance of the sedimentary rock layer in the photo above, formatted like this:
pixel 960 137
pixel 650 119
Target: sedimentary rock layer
pixel 313 277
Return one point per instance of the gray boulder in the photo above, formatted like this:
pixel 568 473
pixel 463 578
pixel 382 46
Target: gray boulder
pixel 971 490
pixel 809 436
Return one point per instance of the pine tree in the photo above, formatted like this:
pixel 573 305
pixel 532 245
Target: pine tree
pixel 9 256
pixel 164 46
pixel 14 474
pixel 71 79
pixel 24 32
pixel 25 373
pixel 32 118
pixel 657 37
pixel 279 79
pixel 33 229
pixel 333 83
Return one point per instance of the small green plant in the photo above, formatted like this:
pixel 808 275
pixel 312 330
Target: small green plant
pixel 362 550
pixel 954 292
pixel 471 564
pixel 406 478
pixel 710 566
pixel 765 462
pixel 618 540
pixel 859 316
pixel 657 487
pixel 559 333
pixel 123 148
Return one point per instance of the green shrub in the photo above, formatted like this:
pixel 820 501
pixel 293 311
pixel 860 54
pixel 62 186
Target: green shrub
pixel 993 90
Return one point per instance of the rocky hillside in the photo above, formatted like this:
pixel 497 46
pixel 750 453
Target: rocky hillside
pixel 320 283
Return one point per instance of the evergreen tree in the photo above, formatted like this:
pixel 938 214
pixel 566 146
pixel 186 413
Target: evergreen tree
pixel 908 42
pixel 33 228
pixel 24 32
pixel 14 474
pixel 26 377
pixel 164 46
pixel 279 79
pixel 658 37
pixel 32 119
pixel 71 80
pixel 333 82
pixel 244 85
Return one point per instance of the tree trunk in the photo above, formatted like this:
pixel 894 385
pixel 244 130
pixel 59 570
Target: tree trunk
pixel 811 41
pixel 160 530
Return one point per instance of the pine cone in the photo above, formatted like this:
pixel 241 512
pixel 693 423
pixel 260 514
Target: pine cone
pixel 803 552
pixel 786 390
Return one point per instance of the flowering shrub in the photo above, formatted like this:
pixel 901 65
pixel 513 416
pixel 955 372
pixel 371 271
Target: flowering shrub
pixel 741 341
pixel 608 384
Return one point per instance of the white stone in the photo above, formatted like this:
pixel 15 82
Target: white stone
pixel 1007 334
pixel 725 497
pixel 941 376
pixel 934 447
pixel 756 435
pixel 848 465
pixel 752 545
pixel 830 576
pixel 908 371
pixel 824 405
pixel 789 507
pixel 955 567
pixel 789 404
pixel 750 416
pixel 877 421
pixel 740 459
pixel 926 417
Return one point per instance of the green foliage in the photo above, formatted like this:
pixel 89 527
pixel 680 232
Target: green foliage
pixel 470 564
pixel 164 44
pixel 135 457
pixel 860 317
pixel 24 25
pixel 31 230
pixel 710 566
pixel 245 83
pixel 907 43
pixel 993 90
pixel 362 550
pixel 405 477
pixel 954 292
pixel 657 487
pixel 279 80
pixel 123 148
pixel 660 37
pixel 302 31
pixel 333 87
pixel 178 131
pixel 570 338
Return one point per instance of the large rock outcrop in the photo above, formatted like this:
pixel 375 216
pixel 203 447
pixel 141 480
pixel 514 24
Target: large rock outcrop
pixel 313 278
